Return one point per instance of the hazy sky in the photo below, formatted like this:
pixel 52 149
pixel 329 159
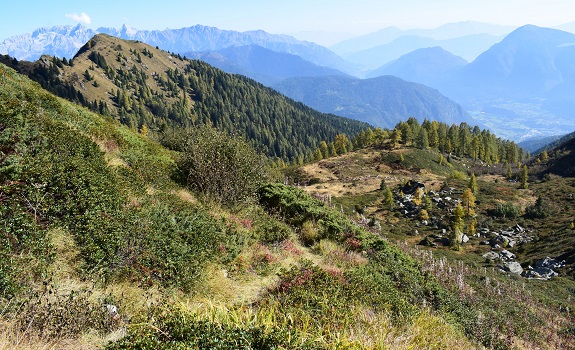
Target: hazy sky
pixel 279 17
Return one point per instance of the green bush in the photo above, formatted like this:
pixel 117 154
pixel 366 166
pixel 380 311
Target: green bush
pixel 224 168
pixel 507 210
pixel 173 328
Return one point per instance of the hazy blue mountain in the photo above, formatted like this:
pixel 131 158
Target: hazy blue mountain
pixel 444 32
pixel 381 101
pixel 59 41
pixel 527 63
pixel 523 86
pixel 568 27
pixel 425 66
pixel 536 143
pixel 265 66
pixel 200 38
pixel 467 47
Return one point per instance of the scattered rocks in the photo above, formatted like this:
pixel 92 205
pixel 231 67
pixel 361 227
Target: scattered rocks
pixel 543 269
pixel 541 273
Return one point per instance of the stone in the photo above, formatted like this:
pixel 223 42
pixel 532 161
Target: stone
pixel 513 267
pixel 550 263
pixel 543 273
pixel 507 255
pixel 491 255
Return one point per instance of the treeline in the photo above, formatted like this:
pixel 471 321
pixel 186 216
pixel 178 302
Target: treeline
pixel 460 140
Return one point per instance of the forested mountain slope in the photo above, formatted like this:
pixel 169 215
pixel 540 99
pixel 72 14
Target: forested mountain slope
pixel 140 85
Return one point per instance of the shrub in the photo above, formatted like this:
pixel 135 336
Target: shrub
pixel 222 167
pixel 507 210
pixel 539 210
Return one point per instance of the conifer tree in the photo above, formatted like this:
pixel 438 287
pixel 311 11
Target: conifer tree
pixel 468 201
pixel 524 178
pixel 473 184
pixel 544 157
pixel 457 226
pixel 387 200
pixel 509 174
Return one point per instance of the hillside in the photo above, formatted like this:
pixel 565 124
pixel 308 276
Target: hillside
pixel 140 85
pixel 381 101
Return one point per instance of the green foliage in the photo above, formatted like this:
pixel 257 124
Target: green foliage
pixel 172 328
pixel 306 213
pixel 539 210
pixel 524 178
pixel 507 210
pixel 460 140
pixel 224 168
pixel 52 174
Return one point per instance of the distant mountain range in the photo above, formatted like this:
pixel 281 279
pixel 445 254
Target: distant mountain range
pixel 382 101
pixel 64 41
pixel 58 41
pixel 444 32
pixel 468 47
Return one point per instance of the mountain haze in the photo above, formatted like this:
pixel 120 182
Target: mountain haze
pixel 381 101
pixel 424 66
pixel 263 65
pixel 444 32
pixel 64 41
pixel 467 47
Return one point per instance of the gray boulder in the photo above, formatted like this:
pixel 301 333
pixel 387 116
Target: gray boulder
pixel 491 255
pixel 513 267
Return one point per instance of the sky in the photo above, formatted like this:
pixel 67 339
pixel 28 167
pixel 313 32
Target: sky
pixel 301 18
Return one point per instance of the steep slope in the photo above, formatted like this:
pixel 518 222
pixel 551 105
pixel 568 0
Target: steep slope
pixel 263 65
pixel 425 66
pixel 100 248
pixel 382 101
pixel 140 85
pixel 562 157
